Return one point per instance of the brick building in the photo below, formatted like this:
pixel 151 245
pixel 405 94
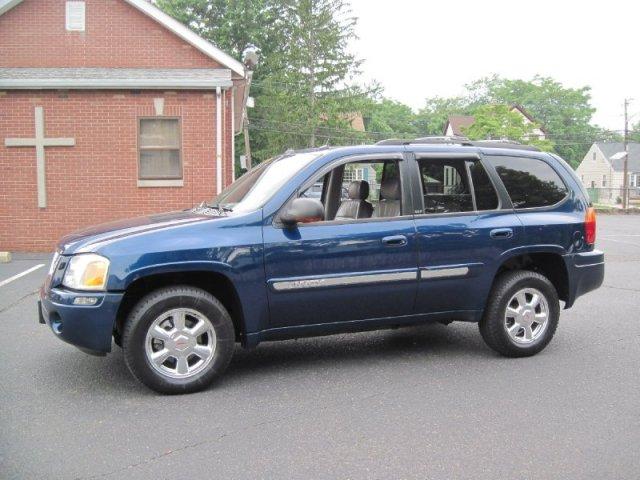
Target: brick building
pixel 108 109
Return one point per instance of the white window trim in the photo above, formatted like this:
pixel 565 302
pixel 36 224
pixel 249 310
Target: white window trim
pixel 160 183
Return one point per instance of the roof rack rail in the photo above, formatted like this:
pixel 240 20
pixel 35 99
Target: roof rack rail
pixel 293 151
pixel 437 140
pixel 504 144
pixel 458 140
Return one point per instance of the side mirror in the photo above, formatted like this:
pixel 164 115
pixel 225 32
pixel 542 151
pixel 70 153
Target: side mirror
pixel 303 210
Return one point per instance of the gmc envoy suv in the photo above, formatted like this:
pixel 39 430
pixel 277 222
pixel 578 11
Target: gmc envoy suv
pixel 333 240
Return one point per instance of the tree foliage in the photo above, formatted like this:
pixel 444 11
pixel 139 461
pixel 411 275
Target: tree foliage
pixel 387 118
pixel 306 92
pixel 304 87
pixel 564 112
pixel 498 122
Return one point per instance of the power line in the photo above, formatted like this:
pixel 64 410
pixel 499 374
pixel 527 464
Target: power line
pixel 345 132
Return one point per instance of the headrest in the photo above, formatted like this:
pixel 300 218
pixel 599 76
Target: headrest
pixel 390 189
pixel 358 190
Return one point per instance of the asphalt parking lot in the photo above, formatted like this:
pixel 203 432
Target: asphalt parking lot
pixel 426 402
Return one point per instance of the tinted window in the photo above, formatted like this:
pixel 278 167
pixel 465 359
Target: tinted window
pixel 486 197
pixel 529 182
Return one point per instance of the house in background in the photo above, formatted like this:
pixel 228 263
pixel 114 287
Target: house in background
pixel 602 171
pixel 108 109
pixel 457 123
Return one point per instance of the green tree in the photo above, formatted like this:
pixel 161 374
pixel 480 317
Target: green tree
pixel 312 95
pixel 231 24
pixel 388 119
pixel 634 133
pixel 498 122
pixel 565 113
pixel 433 116
pixel 303 87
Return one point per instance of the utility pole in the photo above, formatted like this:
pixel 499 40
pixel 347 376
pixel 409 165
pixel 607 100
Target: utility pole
pixel 250 57
pixel 625 176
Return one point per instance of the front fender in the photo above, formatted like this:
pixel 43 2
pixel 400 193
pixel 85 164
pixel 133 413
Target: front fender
pixel 175 267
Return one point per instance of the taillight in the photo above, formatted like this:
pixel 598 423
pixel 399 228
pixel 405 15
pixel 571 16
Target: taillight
pixel 590 226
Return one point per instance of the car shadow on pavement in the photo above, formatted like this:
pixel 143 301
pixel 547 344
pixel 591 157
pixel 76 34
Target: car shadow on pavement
pixel 78 372
pixel 349 350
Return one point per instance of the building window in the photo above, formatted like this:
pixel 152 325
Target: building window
pixel 594 156
pixel 159 149
pixel 604 180
pixel 75 16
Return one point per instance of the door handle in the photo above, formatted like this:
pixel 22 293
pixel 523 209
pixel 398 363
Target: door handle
pixel 394 241
pixel 499 233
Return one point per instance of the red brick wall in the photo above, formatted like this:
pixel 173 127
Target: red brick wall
pixel 96 180
pixel 33 34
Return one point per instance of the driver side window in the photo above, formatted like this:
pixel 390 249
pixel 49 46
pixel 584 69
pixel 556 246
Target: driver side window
pixel 358 190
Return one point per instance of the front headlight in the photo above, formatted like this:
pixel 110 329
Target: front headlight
pixel 86 272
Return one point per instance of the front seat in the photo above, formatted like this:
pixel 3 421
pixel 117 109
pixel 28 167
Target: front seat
pixel 389 204
pixel 356 206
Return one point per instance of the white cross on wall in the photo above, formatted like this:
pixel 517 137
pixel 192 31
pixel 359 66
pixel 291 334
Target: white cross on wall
pixel 40 142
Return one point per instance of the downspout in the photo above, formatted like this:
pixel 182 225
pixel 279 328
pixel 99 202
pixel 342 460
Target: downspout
pixel 218 140
pixel 233 134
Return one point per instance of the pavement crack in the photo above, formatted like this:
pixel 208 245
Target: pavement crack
pixel 622 288
pixel 154 458
pixel 13 304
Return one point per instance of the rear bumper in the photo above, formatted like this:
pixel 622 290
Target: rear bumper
pixel 585 272
pixel 90 328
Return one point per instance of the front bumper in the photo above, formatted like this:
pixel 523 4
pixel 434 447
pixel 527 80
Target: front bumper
pixel 90 328
pixel 585 272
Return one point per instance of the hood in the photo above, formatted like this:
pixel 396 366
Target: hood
pixel 92 238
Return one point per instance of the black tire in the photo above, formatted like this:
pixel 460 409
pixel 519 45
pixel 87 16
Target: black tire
pixel 492 325
pixel 151 307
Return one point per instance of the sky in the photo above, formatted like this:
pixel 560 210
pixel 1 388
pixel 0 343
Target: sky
pixel 418 49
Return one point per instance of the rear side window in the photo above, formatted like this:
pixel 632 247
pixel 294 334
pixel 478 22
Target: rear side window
pixel 530 182
pixel 445 186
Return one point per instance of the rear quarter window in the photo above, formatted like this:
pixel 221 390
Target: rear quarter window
pixel 529 182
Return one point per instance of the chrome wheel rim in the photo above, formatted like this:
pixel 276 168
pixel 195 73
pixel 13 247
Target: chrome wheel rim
pixel 526 316
pixel 180 343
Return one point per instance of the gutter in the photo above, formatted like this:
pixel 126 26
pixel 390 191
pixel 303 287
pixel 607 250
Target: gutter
pixel 218 140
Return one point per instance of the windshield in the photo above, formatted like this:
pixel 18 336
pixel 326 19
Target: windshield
pixel 254 188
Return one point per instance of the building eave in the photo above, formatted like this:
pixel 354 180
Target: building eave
pixel 114 78
pixel 64 84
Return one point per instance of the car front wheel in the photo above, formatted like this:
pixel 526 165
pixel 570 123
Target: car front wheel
pixel 522 314
pixel 178 339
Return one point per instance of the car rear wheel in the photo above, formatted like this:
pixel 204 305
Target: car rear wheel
pixel 178 340
pixel 522 314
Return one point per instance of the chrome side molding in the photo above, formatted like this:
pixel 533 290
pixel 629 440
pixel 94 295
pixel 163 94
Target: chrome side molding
pixel 447 272
pixel 349 280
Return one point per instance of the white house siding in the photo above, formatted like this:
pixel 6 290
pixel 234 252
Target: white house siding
pixel 449 132
pixel 593 169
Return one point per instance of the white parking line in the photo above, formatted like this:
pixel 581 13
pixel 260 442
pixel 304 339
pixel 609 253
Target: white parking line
pixel 21 274
pixel 609 239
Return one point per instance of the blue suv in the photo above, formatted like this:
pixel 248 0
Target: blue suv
pixel 333 240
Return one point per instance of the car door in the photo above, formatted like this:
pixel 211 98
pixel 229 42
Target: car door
pixel 463 227
pixel 339 271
